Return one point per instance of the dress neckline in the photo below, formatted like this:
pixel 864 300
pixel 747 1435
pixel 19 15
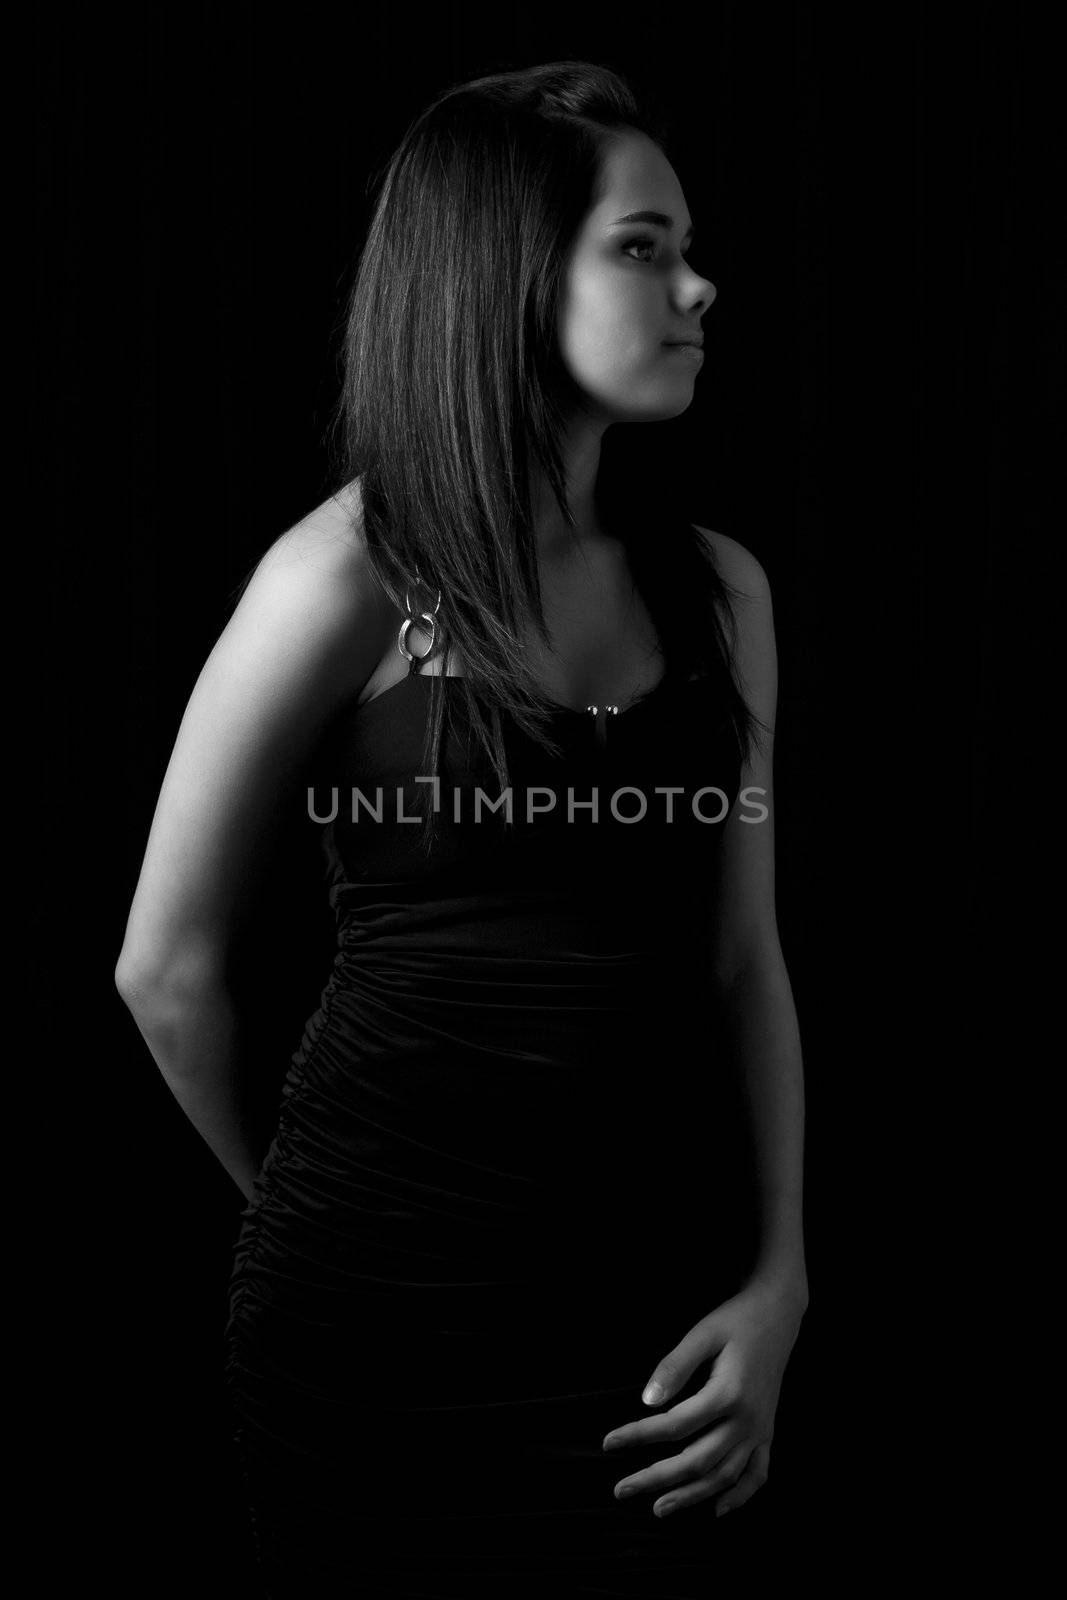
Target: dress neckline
pixel 664 682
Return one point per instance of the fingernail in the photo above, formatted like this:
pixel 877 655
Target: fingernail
pixel 667 1507
pixel 627 1488
pixel 653 1394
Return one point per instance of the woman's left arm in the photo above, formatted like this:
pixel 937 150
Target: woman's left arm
pixel 757 1005
pixel 748 968
pixel 718 1440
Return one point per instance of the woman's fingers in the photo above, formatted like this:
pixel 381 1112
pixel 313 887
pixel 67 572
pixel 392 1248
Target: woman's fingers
pixel 709 1405
pixel 696 1459
pixel 728 1474
pixel 753 1478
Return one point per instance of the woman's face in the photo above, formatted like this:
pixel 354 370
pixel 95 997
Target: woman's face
pixel 627 291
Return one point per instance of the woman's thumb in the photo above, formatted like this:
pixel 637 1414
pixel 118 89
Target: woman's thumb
pixel 678 1366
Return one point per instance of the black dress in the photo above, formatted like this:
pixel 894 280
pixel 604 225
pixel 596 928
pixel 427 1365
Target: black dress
pixel 508 1173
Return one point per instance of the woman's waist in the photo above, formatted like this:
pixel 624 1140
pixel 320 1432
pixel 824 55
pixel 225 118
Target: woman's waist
pixel 459 1099
pixel 498 1010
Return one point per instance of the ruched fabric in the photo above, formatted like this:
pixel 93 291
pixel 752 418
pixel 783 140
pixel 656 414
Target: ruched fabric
pixel 507 1176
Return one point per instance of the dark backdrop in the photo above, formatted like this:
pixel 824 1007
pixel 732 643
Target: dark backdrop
pixel 869 188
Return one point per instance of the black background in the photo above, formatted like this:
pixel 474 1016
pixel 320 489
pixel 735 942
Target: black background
pixel 870 190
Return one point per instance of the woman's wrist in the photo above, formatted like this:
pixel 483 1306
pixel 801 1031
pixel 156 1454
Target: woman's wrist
pixel 786 1280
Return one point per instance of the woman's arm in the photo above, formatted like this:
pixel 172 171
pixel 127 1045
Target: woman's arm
pixel 306 635
pixel 749 969
pixel 727 1425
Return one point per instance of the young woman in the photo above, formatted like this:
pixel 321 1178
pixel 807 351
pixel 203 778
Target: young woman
pixel 521 1270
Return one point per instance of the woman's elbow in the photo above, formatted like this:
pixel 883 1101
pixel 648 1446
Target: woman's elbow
pixel 132 978
pixel 143 978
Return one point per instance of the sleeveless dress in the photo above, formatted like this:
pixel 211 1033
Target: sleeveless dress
pixel 508 1173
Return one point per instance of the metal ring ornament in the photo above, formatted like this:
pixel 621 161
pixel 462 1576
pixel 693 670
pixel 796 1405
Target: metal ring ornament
pixel 409 622
pixel 411 609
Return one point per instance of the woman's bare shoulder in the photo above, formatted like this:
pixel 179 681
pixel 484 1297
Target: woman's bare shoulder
pixel 736 565
pixel 330 538
pixel 315 596
pixel 326 551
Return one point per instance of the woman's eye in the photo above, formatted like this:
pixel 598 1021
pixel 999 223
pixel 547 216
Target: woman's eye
pixel 641 244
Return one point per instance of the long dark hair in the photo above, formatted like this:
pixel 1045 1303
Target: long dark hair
pixel 454 395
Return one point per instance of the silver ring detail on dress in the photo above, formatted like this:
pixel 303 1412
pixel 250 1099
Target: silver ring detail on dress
pixel 411 609
pixel 409 622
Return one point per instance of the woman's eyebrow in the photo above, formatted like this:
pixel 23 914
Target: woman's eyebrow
pixel 659 218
